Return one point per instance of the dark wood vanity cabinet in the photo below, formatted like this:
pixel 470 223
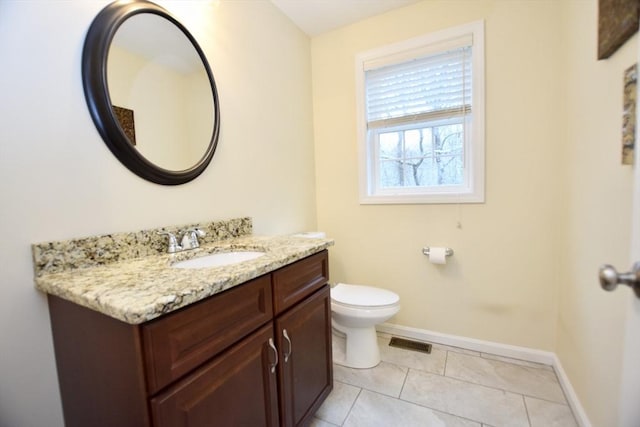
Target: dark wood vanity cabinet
pixel 258 354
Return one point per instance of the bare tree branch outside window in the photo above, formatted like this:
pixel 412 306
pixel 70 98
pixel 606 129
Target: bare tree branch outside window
pixel 428 156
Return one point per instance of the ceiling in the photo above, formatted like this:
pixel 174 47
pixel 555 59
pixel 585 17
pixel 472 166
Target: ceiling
pixel 315 17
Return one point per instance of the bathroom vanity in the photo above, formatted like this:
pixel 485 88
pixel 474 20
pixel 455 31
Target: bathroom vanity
pixel 250 352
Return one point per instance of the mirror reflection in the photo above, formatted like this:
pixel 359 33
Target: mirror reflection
pixel 160 92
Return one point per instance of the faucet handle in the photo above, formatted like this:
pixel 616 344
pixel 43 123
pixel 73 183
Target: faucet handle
pixel 199 233
pixel 173 242
pixel 190 238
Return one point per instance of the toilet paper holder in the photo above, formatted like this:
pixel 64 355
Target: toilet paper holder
pixel 447 251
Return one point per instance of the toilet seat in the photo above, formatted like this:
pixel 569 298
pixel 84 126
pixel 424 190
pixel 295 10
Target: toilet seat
pixel 363 296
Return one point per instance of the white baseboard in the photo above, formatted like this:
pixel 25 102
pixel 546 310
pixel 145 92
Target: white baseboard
pixel 504 350
pixel 570 394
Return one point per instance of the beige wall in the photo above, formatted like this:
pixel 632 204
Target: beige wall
pixel 58 180
pixel 525 262
pixel 557 203
pixel 596 207
pixel 501 283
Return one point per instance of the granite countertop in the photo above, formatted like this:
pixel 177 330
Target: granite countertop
pixel 140 289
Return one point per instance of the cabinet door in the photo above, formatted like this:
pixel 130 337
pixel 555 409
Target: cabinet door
pixel 305 368
pixel 237 388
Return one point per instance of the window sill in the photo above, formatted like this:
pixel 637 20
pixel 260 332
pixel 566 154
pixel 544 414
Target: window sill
pixel 421 199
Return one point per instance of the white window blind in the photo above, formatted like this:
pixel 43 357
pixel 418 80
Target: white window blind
pixel 430 87
pixel 420 106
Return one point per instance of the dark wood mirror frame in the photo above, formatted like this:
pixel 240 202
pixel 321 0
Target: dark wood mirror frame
pixel 94 80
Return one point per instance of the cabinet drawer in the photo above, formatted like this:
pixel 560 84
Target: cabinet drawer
pixel 295 282
pixel 177 343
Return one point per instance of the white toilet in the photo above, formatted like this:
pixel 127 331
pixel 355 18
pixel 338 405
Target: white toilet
pixel 355 311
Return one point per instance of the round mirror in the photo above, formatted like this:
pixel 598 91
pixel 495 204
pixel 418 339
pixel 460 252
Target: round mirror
pixel 150 92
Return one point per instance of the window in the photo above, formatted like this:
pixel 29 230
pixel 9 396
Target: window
pixel 421 119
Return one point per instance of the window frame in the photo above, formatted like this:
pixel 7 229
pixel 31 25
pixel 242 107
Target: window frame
pixel 472 190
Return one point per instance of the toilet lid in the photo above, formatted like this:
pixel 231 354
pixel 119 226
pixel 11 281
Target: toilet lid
pixel 363 295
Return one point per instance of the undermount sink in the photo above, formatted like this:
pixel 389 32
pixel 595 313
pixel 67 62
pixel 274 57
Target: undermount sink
pixel 218 259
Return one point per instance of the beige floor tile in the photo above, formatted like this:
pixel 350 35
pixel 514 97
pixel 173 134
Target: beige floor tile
pixel 549 414
pixel 338 404
pixel 376 410
pixel 317 422
pixel 384 335
pixel 386 378
pixel 479 389
pixel 525 380
pixel 433 362
pixel 471 401
pixel 456 349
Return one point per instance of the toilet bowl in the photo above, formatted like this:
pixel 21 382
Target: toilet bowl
pixel 355 312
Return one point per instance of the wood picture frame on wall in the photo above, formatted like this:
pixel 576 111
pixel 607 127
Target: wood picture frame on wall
pixel 629 114
pixel 617 21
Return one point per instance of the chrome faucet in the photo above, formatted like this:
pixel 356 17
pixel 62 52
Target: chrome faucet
pixel 173 242
pixel 189 240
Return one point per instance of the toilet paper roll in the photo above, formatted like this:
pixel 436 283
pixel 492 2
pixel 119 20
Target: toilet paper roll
pixel 437 255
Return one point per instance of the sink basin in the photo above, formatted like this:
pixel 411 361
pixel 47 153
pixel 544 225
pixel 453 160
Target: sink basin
pixel 218 259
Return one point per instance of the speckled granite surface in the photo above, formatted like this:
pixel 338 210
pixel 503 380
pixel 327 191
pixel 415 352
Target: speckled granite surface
pixel 55 257
pixel 137 289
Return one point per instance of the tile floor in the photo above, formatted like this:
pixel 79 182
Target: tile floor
pixel 449 387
